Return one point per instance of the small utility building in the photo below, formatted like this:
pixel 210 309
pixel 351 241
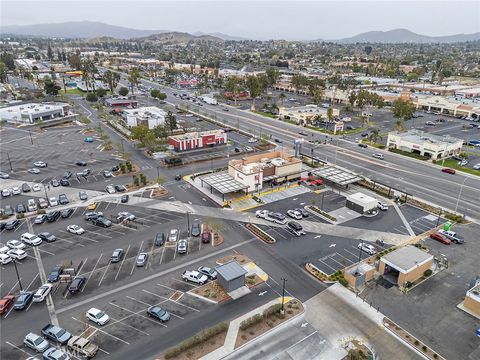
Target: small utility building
pixel 231 276
pixel 361 203
pixel 406 264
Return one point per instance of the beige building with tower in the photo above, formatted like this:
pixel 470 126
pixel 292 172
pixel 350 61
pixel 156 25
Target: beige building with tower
pixel 405 265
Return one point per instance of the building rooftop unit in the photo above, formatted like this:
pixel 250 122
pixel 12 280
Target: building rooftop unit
pixel 256 163
pixel 197 134
pixel 33 108
pixel 145 113
pixel 406 258
pixel 418 136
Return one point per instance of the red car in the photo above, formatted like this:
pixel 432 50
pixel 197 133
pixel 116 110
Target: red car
pixel 206 235
pixel 5 303
pixel 440 237
pixel 448 171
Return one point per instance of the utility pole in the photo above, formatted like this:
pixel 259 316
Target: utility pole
pixel 282 311
pixel 30 133
pixel 188 223
pixel 9 161
pixel 158 173
pixel 18 277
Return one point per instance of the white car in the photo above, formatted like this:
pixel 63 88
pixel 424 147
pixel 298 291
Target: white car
pixel 382 206
pixel 36 187
pixel 53 201
pixel 5 259
pixel 39 164
pixel 369 249
pixel 252 140
pixel 31 205
pixel 249 148
pixel 110 189
pixel 124 215
pixel 30 239
pixel 295 214
pixel 15 244
pixel 476 166
pixel 42 292
pixel 17 254
pixel 173 235
pixel 6 192
pixel 16 190
pixel 378 156
pixel 75 229
pixel 261 214
pixel 34 171
pixel 97 316
pixel 4 175
pixel 463 162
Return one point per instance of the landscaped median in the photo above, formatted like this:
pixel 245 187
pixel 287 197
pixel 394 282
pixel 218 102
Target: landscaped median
pixel 315 210
pixel 262 235
pixel 320 275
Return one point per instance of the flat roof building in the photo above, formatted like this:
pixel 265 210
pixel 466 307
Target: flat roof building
pixel 149 116
pixel 305 114
pixel 471 303
pixel 231 276
pixel 405 265
pixel 425 144
pixel 361 203
pixel 34 112
pixel 197 140
pixel 120 102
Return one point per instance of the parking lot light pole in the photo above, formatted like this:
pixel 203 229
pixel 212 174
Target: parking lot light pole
pixel 18 276
pixel 188 223
pixel 282 311
pixel 9 161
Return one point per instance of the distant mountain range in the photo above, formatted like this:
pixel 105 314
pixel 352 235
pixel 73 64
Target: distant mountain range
pixel 91 29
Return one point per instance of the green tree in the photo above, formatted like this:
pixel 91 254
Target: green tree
pixel 139 133
pixel 412 76
pixel 49 52
pixel 75 61
pixel 91 97
pixel 298 82
pixel 374 135
pixel 352 98
pixel 123 91
pixel 133 78
pixel 254 88
pixel 111 79
pixel 330 114
pixel 368 50
pixel 282 97
pixel 399 126
pixel 170 122
pixel 160 132
pixel 9 60
pixel 403 109
pixel 233 85
pixel 101 92
pixel 3 73
pixel 50 87
pixel 162 96
pixel 272 76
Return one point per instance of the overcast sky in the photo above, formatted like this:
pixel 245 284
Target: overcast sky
pixel 291 20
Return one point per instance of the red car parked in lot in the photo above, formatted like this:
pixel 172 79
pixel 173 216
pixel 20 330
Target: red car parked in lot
pixel 441 238
pixel 448 171
pixel 6 303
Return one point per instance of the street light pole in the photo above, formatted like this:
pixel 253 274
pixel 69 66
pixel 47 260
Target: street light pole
pixel 18 277
pixel 188 223
pixel 9 161
pixel 282 311
pixel 460 194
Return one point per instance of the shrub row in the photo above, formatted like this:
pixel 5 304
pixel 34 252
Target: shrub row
pixel 253 320
pixel 384 252
pixel 195 340
pixel 262 235
pixel 321 212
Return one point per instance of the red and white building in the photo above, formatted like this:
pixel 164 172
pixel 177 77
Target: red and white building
pixel 197 140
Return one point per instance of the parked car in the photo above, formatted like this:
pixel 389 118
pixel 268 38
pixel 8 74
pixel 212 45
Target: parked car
pixel 295 228
pixel 53 216
pixel 124 215
pixel 382 206
pixel 4 175
pixel 107 173
pixel 55 354
pixel 110 189
pixel 208 272
pixel 67 174
pixel 16 190
pixel 92 206
pixel 173 236
pixel 369 249
pixel 120 188
pixel 97 316
pixel 81 163
pixel 40 164
pixel 42 292
pixel 55 183
pixel 6 192
pixel 206 237
pixel 196 229
pixel 159 239
pixel 62 199
pixel 26 187
pixel 141 259
pixel 55 273
pixel 7 210
pixel 42 203
pixel 261 214
pixel 31 205
pixel 6 303
pixel 15 244
pixel 101 221
pixel 30 239
pixel 5 259
pixel 23 300
pixel 53 201
pixel 194 276
pixel 448 171
pixel 158 313
pixel 17 254
pixel 75 229
pixel 66 213
pixel 124 198
pixel 92 215
pixel 56 334
pixel 277 218
pixel 82 346
pixel 440 238
pixel 36 187
pixel 12 224
pixel 182 246
pixel 64 182
pixel 452 235
pixel 76 285
pixel 46 236
pixel 35 342
pixel 82 195
pixel 302 211
pixel 20 209
pixel 294 214
pixel 117 255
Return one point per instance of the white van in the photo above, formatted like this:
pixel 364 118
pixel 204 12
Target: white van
pixel 369 249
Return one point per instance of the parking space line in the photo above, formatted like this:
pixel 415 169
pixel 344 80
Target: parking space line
pixel 91 272
pixel 96 233
pixel 47 252
pixel 14 285
pixel 18 348
pixel 166 287
pixel 186 283
pixel 130 326
pixel 162 297
pixel 354 256
pixel 100 330
pixel 31 282
pixel 106 269
pixel 123 260
pixel 350 261
pixel 328 265
pixel 138 314
pixel 134 261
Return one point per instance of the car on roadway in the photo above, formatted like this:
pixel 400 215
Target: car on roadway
pixel 82 346
pixel 33 171
pixel 294 214
pixel 208 272
pixel 75 229
pixel 369 249
pixel 110 189
pixel 141 259
pixel 76 285
pixel 124 215
pixel 97 316
pixel 5 259
pixel 53 201
pixel 53 216
pixel 17 254
pixel 81 163
pixel 15 244
pixel 117 255
pixel 30 239
pixel 158 313
pixel 382 206
pixel 12 224
pixel 448 171
pixel 440 238
pixel 252 140
pixel 195 230
pixel 66 213
pixel 173 236
pixel 378 156
pixel 36 187
pixel 55 354
pixel 194 276
pixel 362 145
pixel 476 166
pixel 92 215
pixel 55 273
pixel 40 164
pixel 278 141
pixel 92 206
pixel 23 300
pixel 5 303
pixel 46 236
pixel 42 292
pixel 35 342
pixel 82 195
pixel 182 246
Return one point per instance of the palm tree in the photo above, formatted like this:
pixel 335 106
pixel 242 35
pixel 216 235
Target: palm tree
pixel 282 97
pixel 399 125
pixel 133 78
pixel 375 135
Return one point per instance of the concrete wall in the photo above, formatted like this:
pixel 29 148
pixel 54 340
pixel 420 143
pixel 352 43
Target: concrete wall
pixel 472 305
pixel 415 274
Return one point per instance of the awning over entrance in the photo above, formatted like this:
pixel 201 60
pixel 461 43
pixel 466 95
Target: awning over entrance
pixel 336 175
pixel 223 183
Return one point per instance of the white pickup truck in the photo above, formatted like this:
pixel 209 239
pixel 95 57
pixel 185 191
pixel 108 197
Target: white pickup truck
pixel 194 276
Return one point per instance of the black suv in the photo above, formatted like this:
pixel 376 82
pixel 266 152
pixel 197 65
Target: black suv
pixel 53 216
pixel 12 224
pixel 62 199
pixel 159 239
pixel 76 284
pixel 101 221
pixel 26 187
pixel 64 182
pixel 119 188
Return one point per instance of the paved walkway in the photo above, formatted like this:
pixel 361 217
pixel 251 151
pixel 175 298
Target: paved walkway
pixel 404 220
